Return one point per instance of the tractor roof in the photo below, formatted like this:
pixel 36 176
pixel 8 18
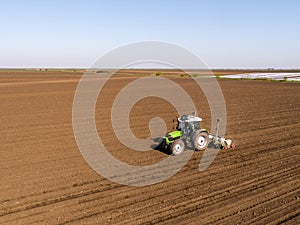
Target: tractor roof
pixel 189 118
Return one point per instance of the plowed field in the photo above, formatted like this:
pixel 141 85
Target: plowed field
pixel 45 180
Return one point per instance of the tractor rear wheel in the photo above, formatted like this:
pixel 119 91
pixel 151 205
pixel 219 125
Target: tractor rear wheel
pixel 200 140
pixel 177 147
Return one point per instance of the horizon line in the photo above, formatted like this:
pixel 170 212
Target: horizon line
pixel 83 68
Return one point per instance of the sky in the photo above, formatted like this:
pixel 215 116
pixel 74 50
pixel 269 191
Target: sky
pixel 223 33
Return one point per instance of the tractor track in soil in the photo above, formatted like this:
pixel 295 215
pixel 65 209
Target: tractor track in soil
pixel 44 179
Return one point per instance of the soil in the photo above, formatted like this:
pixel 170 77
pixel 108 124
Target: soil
pixel 45 180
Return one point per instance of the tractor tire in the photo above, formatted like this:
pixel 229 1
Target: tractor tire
pixel 177 147
pixel 200 140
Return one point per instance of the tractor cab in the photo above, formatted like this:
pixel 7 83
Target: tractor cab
pixel 188 124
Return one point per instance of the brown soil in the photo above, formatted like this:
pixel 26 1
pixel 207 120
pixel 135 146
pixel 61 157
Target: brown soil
pixel 45 180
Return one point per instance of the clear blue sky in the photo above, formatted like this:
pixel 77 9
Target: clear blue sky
pixel 224 33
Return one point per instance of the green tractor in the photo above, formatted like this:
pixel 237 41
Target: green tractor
pixel 189 134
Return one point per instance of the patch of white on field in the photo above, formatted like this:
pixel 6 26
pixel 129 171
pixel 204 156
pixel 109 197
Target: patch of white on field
pixel 272 76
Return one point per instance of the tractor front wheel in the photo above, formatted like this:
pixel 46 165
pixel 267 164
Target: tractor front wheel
pixel 177 147
pixel 200 140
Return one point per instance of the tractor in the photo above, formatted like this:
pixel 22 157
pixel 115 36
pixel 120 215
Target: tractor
pixel 189 134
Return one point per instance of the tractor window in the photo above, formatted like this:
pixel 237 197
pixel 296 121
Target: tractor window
pixel 196 125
